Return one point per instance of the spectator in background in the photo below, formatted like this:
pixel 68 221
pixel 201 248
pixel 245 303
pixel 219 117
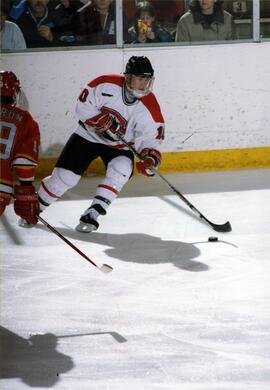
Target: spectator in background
pixel 95 23
pixel 37 23
pixel 64 19
pixel 145 28
pixel 10 34
pixel 205 21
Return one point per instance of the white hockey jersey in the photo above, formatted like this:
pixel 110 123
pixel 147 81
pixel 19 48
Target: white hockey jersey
pixel 142 120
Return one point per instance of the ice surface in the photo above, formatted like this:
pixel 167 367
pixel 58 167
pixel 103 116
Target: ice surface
pixel 177 312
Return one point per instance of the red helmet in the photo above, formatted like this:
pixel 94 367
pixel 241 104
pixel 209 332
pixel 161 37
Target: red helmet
pixel 9 84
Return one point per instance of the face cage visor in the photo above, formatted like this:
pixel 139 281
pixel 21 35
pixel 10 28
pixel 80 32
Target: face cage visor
pixel 139 93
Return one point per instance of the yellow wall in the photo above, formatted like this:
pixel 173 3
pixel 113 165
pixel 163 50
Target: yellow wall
pixel 189 161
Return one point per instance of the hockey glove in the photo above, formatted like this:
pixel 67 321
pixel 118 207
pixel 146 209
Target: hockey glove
pixel 26 203
pixel 150 158
pixel 102 122
pixel 105 124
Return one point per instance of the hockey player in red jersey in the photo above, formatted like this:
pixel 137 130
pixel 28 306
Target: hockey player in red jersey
pixel 110 103
pixel 19 152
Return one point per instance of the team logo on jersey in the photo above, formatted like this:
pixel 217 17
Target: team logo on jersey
pixel 120 119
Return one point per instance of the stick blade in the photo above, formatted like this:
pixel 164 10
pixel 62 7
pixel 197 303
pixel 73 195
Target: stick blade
pixel 226 227
pixel 106 268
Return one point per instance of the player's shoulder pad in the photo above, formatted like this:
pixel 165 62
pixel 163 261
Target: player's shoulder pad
pixel 116 79
pixel 152 105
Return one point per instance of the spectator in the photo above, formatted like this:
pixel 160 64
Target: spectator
pixel 10 34
pixel 20 141
pixel 95 23
pixel 37 23
pixel 205 21
pixel 145 29
pixel 64 17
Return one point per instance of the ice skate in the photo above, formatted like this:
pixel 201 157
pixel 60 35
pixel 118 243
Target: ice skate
pixel 87 224
pixel 88 221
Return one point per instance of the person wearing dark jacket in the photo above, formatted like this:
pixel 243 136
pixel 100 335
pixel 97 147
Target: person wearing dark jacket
pixel 64 13
pixel 95 23
pixel 37 24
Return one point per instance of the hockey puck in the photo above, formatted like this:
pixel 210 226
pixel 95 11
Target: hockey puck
pixel 212 239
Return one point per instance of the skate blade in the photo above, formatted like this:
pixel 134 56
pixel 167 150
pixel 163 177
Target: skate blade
pixel 85 228
pixel 23 223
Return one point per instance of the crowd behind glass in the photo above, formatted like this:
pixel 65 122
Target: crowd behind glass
pixel 61 23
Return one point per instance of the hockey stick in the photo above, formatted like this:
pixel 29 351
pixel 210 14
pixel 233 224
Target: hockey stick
pixel 226 227
pixel 104 268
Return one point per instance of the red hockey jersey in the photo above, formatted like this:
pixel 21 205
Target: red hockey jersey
pixel 19 148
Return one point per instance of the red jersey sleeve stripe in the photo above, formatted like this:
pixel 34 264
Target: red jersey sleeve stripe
pixel 25 173
pixel 110 78
pixel 153 107
pixel 32 159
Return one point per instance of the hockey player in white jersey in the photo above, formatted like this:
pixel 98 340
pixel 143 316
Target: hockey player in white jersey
pixel 110 103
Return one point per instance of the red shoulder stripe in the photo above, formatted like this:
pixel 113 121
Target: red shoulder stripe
pixel 153 107
pixel 116 79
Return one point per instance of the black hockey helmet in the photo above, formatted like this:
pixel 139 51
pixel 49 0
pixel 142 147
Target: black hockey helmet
pixel 139 66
